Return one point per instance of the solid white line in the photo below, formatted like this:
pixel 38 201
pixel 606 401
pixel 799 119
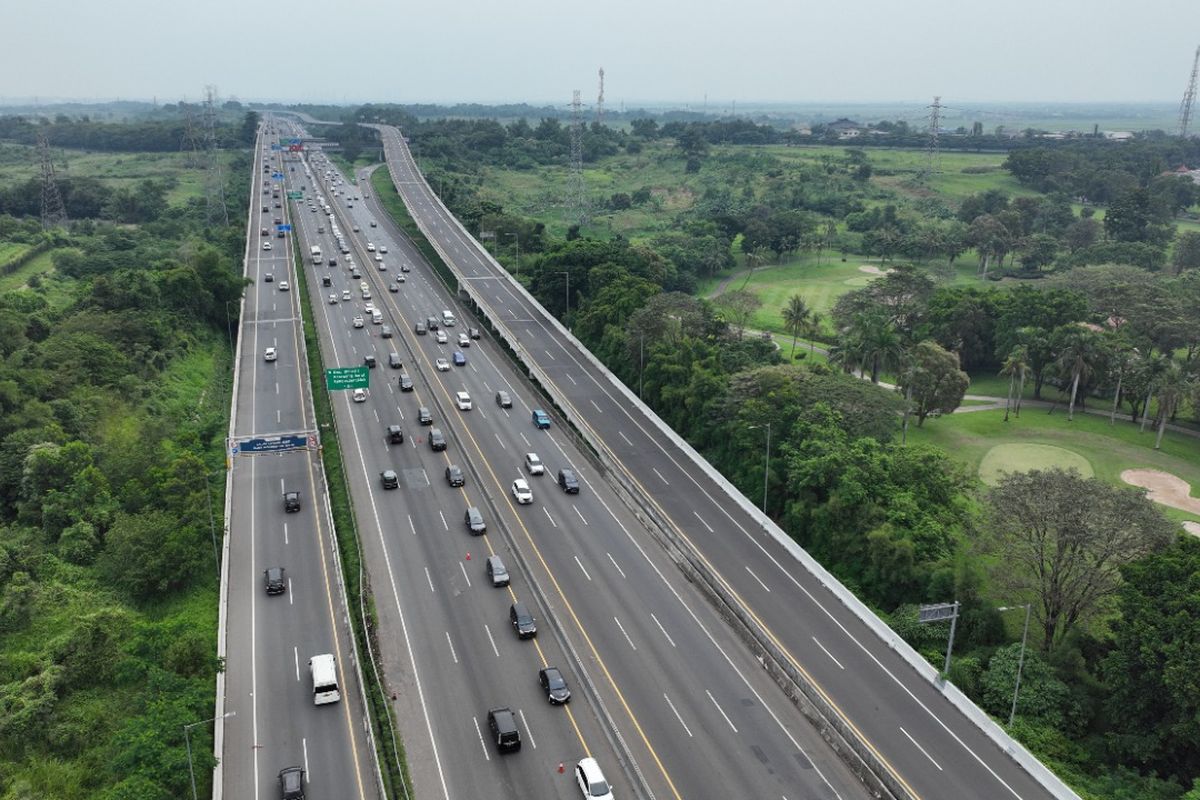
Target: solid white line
pixel 291 594
pixel 670 641
pixel 831 658
pixel 676 713
pixel 285 533
pixel 585 522
pixel 528 730
pixel 626 635
pixel 760 583
pixel 296 658
pixel 452 653
pixel 464 572
pixel 922 749
pixel 490 639
pixel 615 564
pixel 723 714
pixel 429 578
pixel 482 746
pixel 304 742
pixel 705 524
pixel 581 568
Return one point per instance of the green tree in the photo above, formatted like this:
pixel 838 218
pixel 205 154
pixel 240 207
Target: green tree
pixel 1079 352
pixel 1043 697
pixel 1187 252
pixel 149 554
pixel 796 316
pixel 1061 541
pixel 1128 216
pixel 1015 367
pixel 932 381
pixel 738 305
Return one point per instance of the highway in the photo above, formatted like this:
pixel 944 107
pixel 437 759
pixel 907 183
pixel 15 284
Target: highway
pixel 267 640
pixel 927 745
pixel 665 697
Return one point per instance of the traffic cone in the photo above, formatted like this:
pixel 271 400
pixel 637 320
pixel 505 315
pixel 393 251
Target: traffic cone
pixel 468 556
pixel 560 768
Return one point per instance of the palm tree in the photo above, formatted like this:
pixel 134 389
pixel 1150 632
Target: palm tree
pixel 1014 367
pixel 1125 361
pixel 795 318
pixel 1174 386
pixel 1079 352
pixel 1151 370
pixel 813 329
pixel 882 345
pixel 846 352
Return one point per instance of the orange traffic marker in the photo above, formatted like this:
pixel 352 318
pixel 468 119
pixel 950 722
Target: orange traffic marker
pixel 560 768
pixel 468 556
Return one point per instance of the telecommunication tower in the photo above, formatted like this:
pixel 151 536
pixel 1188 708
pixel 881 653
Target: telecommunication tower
pixel 600 100
pixel 935 125
pixel 214 184
pixel 54 213
pixel 575 186
pixel 1189 98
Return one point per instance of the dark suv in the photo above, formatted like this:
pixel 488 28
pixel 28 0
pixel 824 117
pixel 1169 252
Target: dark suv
pixel 423 416
pixel 454 475
pixel 437 439
pixel 395 434
pixel 291 783
pixel 474 521
pixel 389 479
pixel 275 580
pixel 503 725
pixel 406 384
pixel 554 685
pixel 291 501
pixel 568 481
pixel 522 621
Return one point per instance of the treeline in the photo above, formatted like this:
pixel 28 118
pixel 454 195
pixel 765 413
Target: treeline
pixel 150 136
pixel 113 404
pixel 1100 171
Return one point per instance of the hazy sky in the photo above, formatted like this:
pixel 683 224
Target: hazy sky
pixel 651 50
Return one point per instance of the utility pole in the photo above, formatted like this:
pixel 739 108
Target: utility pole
pixel 935 125
pixel 1189 98
pixel 600 100
pixel 575 187
pixel 54 213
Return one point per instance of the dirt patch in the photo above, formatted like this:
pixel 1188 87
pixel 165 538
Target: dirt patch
pixel 1165 488
pixel 1192 527
pixel 871 269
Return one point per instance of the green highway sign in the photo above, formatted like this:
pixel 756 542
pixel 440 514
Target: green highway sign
pixel 295 195
pixel 337 378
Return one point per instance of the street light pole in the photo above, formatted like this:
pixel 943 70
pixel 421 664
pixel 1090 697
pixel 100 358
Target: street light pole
pixel 188 740
pixel 1020 660
pixel 212 526
pixel 517 271
pixel 228 325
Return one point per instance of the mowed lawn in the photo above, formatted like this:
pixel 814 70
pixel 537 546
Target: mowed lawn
pixel 1109 450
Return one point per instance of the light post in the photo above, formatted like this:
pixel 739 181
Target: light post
pixel 212 526
pixel 766 463
pixel 187 739
pixel 229 325
pixel 1020 660
pixel 516 271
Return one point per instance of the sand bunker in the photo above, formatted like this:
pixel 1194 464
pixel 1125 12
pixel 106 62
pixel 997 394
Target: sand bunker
pixel 1165 488
pixel 871 269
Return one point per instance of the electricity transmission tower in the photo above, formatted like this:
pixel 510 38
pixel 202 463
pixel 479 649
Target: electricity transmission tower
pixel 54 213
pixel 935 125
pixel 193 140
pixel 600 100
pixel 214 184
pixel 575 187
pixel 1189 98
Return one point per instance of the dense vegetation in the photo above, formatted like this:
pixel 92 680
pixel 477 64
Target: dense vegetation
pixel 114 382
pixel 1108 692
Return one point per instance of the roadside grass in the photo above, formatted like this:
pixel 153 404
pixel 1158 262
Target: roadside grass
pixel 1110 449
pixel 57 290
pixel 115 169
pixel 10 250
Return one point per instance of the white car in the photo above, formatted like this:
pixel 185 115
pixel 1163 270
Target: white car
pixel 333 299
pixel 464 340
pixel 366 294
pixel 591 780
pixel 383 248
pixel 283 286
pixel 370 247
pixel 269 354
pixel 442 365
pixel 463 401
pixel 360 395
pixel 400 278
pixel 522 492
pixel 378 257
pixel 266 245
pixel 382 266
pixel 441 337
pixel 534 465
pixel 345 294
pixel 358 322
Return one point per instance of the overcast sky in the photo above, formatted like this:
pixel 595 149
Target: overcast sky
pixel 652 50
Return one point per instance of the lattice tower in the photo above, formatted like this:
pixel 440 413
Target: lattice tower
pixel 575 188
pixel 214 183
pixel 1189 98
pixel 54 213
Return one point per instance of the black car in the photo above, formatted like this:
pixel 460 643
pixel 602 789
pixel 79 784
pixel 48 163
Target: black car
pixel 474 521
pixel 437 439
pixel 268 278
pixel 369 361
pixel 389 479
pixel 431 323
pixel 503 725
pixel 395 434
pixel 568 481
pixel 291 501
pixel 420 328
pixel 332 262
pixel 406 384
pixel 454 475
pixel 275 580
pixel 554 685
pixel 393 288
pixel 424 417
pixel 522 621
pixel 394 361
pixel 354 273
pixel 291 783
pixel 474 333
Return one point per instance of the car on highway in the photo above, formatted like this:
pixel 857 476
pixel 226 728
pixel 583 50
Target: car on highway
pixel 383 248
pixel 568 481
pixel 333 298
pixel 268 277
pixel 496 571
pixel 405 267
pixel 291 502
pixel 370 247
pixel 269 354
pixel 274 580
pixel 405 382
pixel 463 401
pixel 460 358
pixel 442 365
pixel 424 417
pixel 464 340
pixel 372 223
pixel 441 337
pixel 534 465
pixel 554 685
pixel 394 361
pixel 284 286
pixel 437 439
pixel 264 231
pixel 522 492
pixel 379 259
pixel 354 273
pixel 369 361
pixel 502 724
pixel 591 780
pixel 266 245
pixel 354 228
pixel 541 420
pixel 346 294
pixel 420 328
pixel 503 399
pixel 389 479
pixel 454 475
pixel 386 332
pixel 360 395
pixel 474 521
pixel 474 333
pixel 395 434
pixel 291 783
pixel 522 621
pixel 332 261
pixel 366 294
pixel 393 288
pixel 358 322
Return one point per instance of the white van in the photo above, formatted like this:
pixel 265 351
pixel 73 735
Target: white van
pixel 448 319
pixel 376 317
pixel 323 669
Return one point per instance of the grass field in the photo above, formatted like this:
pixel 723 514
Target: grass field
pixel 56 290
pixel 1108 450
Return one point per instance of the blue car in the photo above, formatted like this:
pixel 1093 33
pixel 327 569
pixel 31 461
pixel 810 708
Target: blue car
pixel 541 419
pixel 460 360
